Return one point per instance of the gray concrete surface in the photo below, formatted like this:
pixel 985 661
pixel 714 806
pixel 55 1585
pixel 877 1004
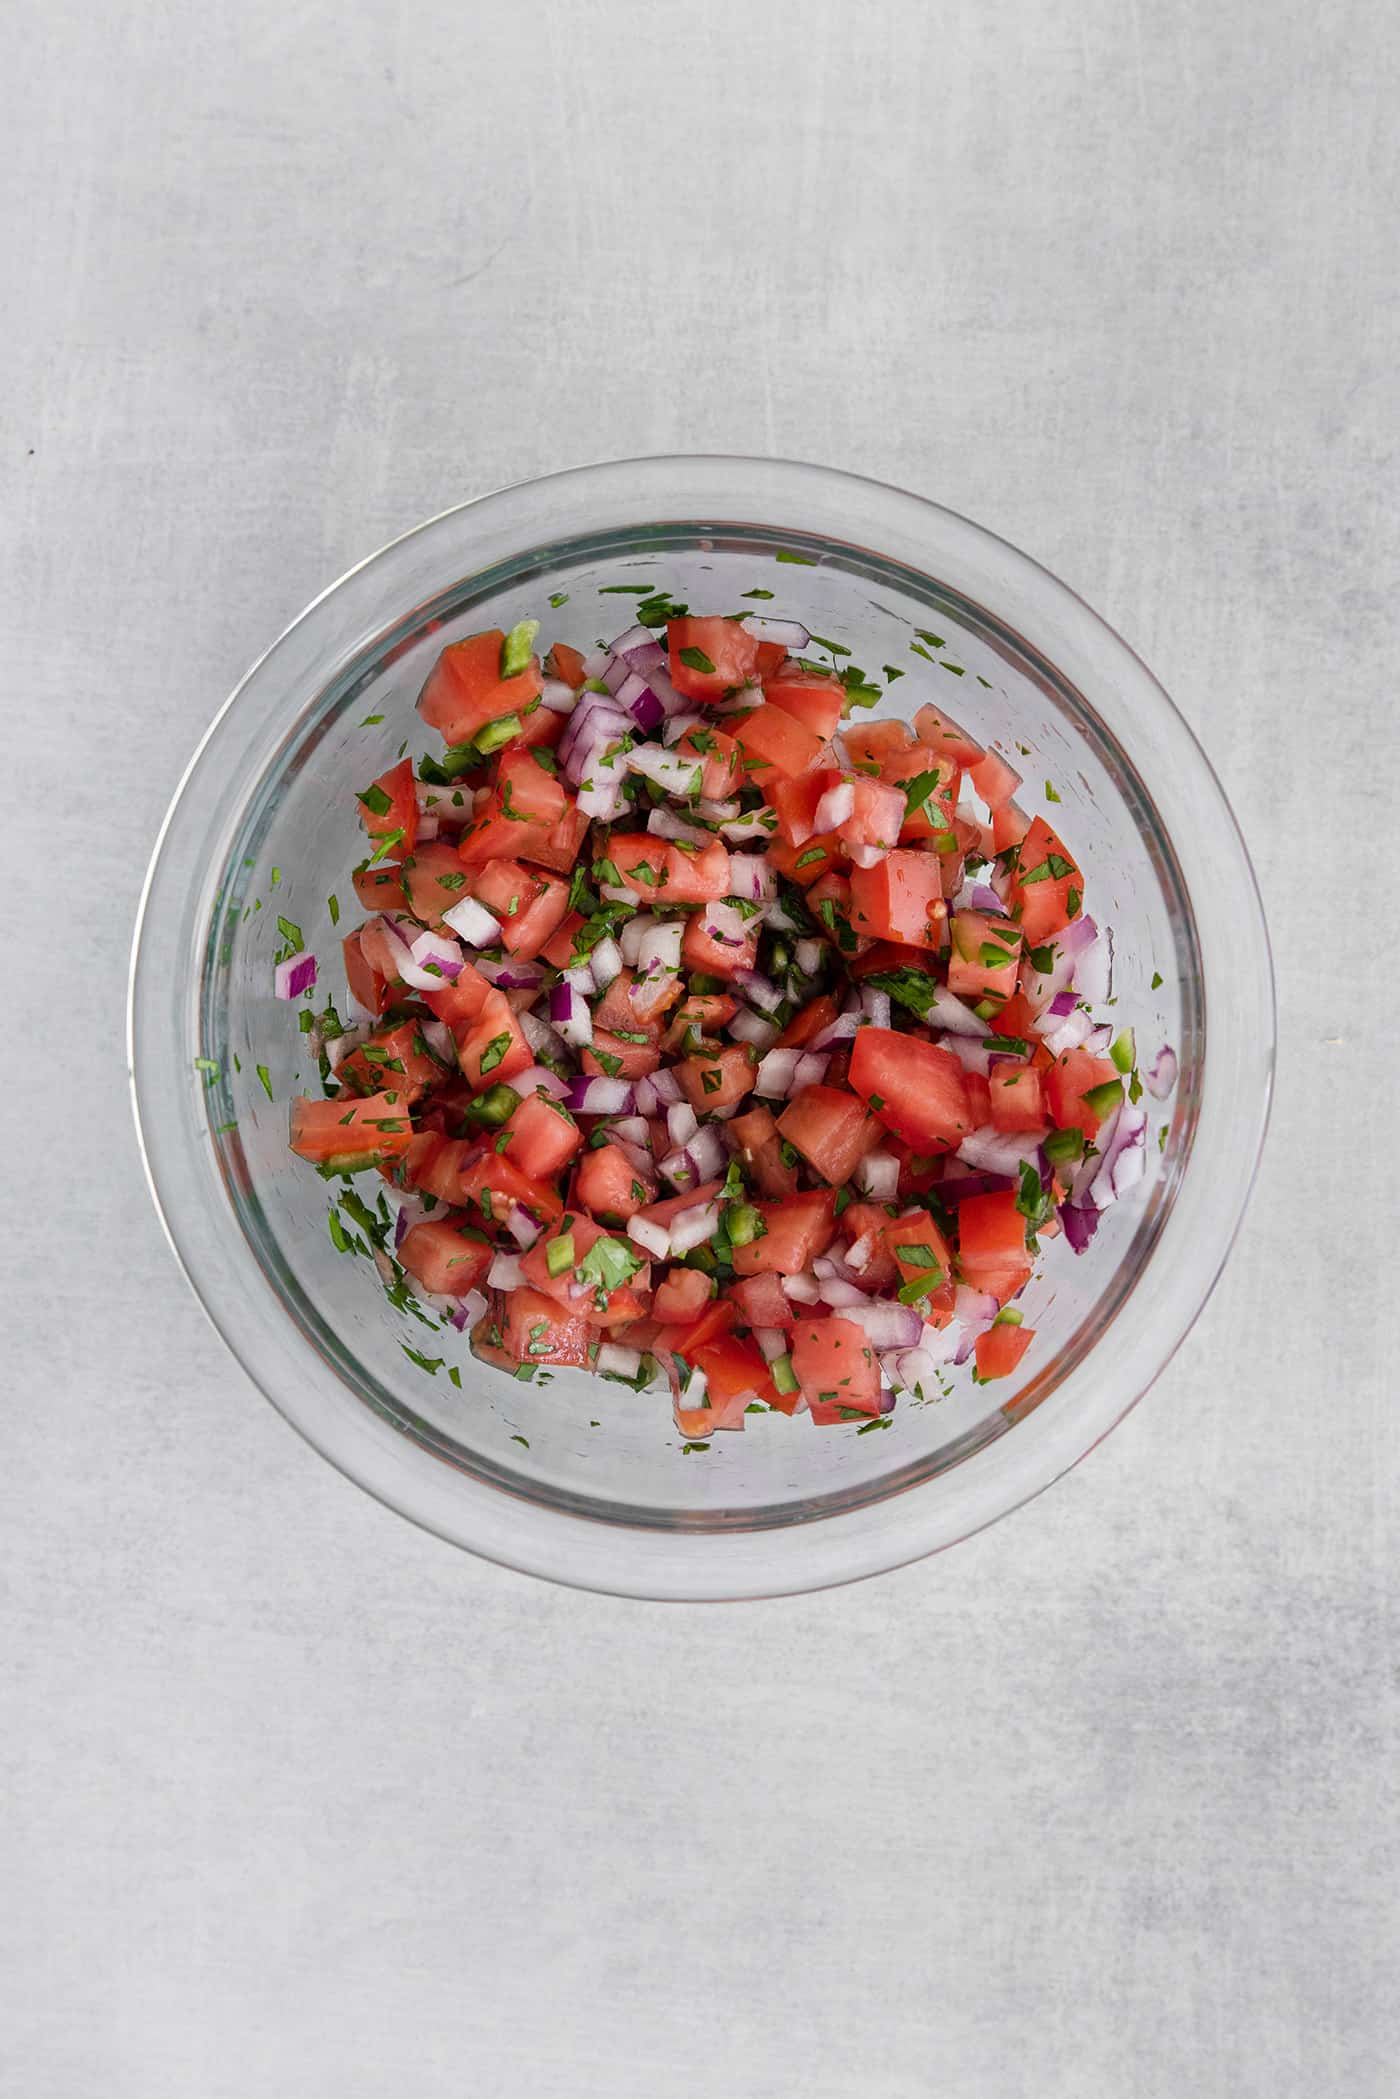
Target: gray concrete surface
pixel 297 1800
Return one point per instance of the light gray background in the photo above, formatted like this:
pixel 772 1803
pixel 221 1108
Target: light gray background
pixel 300 1801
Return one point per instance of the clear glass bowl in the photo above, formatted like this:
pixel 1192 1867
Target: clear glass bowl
pixel 583 1480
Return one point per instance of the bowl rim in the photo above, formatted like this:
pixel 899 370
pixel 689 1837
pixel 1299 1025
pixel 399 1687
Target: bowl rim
pixel 548 1541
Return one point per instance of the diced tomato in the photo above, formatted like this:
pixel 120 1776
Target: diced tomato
pixel 662 873
pixel 443 1171
pixel 924 1262
pixel 624 1059
pixel 1016 1017
pixel 771 658
pixel 719 1080
pixel 1010 824
pixel 832 1129
pixel 914 1087
pixel 610 1187
pixel 734 1369
pixel 714 1320
pixel 808 862
pixel 682 1296
pixel 705 1012
pixel 487 1342
pixel 396 1057
pixel 866 1222
pixel 374 946
pixel 671 1206
pixel 465 690
pixel 530 904
pixel 558 950
pixel 496 1185
pixel 389 811
pixel 355 1132
pixel 1000 1349
pixel 543 1137
pixel 829 901
pixel 707 949
pixel 979 1099
pixel 433 882
pixel 459 1003
pixel 616 1010
pixel 942 734
pixel 566 664
pixel 557 849
pixel 934 804
pixel 380 889
pixel 539 1330
pixel 1047 885
pixel 762 1300
pixel 1016 1098
pixel 986 953
pixel 1075 1075
pixel 770 1164
pixel 494 1049
pixel 812 1020
pixel 774 744
pixel 796 1230
pixel 811 697
pixel 368 987
pixel 874 822
pixel 874 743
pixel 448 1255
pixel 720 757
pixel 994 779
pixel 794 798
pixel 900 898
pixel 835 1365
pixel 707 657
pixel 992 1244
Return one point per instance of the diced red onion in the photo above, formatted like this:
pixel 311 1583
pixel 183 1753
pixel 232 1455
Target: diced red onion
pixel 877 1176
pixel 808 955
pixel 1067 1034
pixel 600 1097
pixel 653 1239
pixel 542 1038
pixel 973 1056
pixel 644 1096
pixel 666 1086
pixel 1093 971
pixel 836 807
pixel 505 1272
pixel 952 1191
pixel 632 644
pixel 802 1289
pixel 774 1078
pixel 992 1151
pixel 742 702
pixel 509 975
pixel 616 1360
pixel 786 632
pixel 915 1369
pixel 469 1309
pixel 842 1029
pixel 558 697
pixel 885 1323
pixel 691 1228
pixel 569 1013
pixel 434 951
pixel 706 1148
pixel 757 825
pixel 343 1045
pixel 522 1227
pixel 811 1069
pixel 772 1342
pixel 636 695
pixel 725 925
pixel 1123 1161
pixel 664 823
pixel 538 1075
pixel 952 1015
pixel 681 1123
pixel 719 812
pixel 473 922
pixel 598 664
pixel 834 1290
pixel 752 878
pixel 660 946
pixel 759 990
pixel 752 1027
pixel 1160 1075
pixel 876 1007
pixel 295 975
pixel 632 1127
pixel 438 1037
pixel 974 1310
pixel 1080 1225
pixel 674 773
pixel 1098 1041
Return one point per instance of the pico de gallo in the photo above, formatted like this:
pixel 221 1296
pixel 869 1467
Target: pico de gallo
pixel 703 1028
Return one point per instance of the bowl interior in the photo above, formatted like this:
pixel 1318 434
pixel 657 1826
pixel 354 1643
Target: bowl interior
pixel 576 1440
pixel 579 1477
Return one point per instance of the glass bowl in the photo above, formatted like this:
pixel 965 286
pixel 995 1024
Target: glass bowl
pixel 584 1480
